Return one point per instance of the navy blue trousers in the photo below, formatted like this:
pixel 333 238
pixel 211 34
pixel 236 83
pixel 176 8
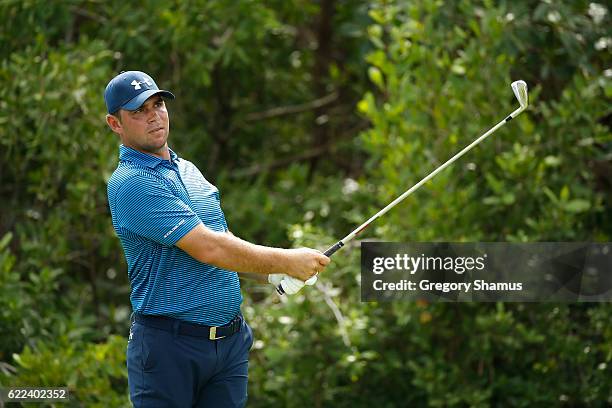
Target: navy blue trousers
pixel 167 369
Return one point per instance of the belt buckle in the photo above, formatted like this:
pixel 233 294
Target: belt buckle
pixel 213 334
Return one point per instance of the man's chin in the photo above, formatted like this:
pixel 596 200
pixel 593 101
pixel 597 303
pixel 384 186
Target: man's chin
pixel 155 148
pixel 159 143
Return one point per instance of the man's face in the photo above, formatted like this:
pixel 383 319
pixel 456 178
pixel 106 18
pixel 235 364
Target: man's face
pixel 145 129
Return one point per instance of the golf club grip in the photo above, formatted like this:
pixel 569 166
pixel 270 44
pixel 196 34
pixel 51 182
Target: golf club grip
pixel 332 250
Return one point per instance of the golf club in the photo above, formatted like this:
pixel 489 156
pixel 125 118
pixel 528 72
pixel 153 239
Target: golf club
pixel 520 91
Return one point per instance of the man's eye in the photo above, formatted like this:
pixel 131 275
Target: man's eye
pixel 159 103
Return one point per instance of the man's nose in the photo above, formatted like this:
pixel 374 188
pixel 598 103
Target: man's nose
pixel 153 116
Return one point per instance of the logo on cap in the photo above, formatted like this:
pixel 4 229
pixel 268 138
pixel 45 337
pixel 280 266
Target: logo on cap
pixel 136 84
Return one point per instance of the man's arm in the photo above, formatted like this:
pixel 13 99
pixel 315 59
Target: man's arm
pixel 180 226
pixel 257 277
pixel 229 252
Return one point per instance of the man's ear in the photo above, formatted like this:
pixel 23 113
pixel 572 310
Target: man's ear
pixel 114 123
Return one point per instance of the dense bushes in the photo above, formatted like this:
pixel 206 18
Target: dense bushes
pixel 309 117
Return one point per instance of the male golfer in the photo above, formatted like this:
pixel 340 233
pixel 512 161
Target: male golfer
pixel 189 343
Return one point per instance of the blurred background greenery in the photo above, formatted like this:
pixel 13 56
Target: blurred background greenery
pixel 309 116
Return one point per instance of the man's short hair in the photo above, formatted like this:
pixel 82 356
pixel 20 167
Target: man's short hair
pixel 116 114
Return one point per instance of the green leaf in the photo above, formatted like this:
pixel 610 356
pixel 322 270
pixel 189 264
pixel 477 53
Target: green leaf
pixel 552 161
pixel 491 200
pixel 6 239
pixel 564 194
pixel 376 77
pixel 377 15
pixel 577 206
pixel 508 198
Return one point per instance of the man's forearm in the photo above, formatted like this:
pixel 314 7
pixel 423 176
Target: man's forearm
pixel 238 255
pixel 257 277
pixel 229 252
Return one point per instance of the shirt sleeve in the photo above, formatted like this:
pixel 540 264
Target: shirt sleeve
pixel 147 207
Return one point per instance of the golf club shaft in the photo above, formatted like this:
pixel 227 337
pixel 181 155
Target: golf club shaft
pixel 334 248
pixel 331 250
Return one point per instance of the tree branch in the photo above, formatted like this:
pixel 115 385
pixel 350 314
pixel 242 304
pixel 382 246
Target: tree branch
pixel 260 168
pixel 326 290
pixel 289 110
pixel 305 155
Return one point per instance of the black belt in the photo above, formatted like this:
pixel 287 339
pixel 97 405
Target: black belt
pixel 190 329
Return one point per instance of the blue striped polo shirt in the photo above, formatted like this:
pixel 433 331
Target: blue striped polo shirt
pixel 154 203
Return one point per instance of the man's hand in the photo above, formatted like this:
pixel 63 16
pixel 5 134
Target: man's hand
pixel 305 263
pixel 290 285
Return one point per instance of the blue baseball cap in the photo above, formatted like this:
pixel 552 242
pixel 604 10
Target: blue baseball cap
pixel 129 90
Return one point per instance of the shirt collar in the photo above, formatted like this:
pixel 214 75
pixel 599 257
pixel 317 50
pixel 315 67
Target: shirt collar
pixel 132 155
pixel 173 156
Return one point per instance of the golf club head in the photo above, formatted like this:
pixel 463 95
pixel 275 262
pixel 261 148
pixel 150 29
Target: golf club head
pixel 520 91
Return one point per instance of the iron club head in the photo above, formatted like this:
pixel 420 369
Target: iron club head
pixel 520 91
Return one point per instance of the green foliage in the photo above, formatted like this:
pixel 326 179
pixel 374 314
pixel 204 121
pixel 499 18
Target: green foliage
pixel 310 116
pixel 323 345
pixel 531 182
pixel 92 372
pixel 61 155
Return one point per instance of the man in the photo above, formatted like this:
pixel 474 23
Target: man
pixel 188 342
